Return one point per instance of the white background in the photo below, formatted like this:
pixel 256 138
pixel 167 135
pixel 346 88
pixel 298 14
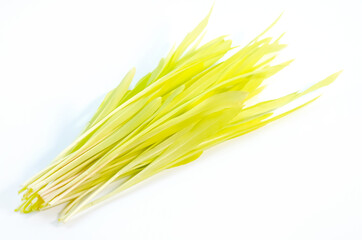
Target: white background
pixel 298 178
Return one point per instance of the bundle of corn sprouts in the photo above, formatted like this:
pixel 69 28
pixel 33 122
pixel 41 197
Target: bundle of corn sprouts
pixel 190 102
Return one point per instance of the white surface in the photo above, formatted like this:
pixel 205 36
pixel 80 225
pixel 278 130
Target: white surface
pixel 298 178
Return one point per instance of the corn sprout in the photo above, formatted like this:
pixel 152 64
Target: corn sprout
pixel 190 102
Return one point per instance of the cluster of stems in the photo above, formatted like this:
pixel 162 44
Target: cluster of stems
pixel 193 100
